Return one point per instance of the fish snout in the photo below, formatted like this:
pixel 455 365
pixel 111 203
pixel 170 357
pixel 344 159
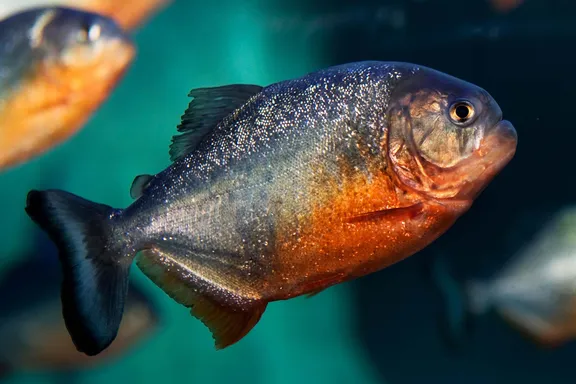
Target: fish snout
pixel 501 140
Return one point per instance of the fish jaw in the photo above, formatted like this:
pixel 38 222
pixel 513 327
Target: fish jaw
pixel 496 150
pixel 56 99
pixel 464 181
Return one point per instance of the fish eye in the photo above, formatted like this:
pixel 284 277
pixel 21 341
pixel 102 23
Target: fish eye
pixel 94 32
pixel 82 35
pixel 89 33
pixel 462 112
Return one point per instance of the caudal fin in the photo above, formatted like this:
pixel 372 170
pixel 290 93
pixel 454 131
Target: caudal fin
pixel 95 266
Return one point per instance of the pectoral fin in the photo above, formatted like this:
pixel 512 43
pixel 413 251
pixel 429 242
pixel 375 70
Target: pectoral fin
pixel 320 285
pixel 228 325
pixel 139 184
pixel 393 214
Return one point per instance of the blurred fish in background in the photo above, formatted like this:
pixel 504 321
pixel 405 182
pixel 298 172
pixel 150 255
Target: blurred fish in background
pixel 32 332
pixel 57 66
pixel 536 290
pixel 129 14
pixel 504 6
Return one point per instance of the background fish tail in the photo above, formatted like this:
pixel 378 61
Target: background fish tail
pixel 95 266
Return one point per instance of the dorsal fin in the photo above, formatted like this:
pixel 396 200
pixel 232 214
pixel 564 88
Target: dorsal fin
pixel 207 108
pixel 139 185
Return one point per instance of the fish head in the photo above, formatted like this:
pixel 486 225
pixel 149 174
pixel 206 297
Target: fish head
pixel 85 50
pixel 447 139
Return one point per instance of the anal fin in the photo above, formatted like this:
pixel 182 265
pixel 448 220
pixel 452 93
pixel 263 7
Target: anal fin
pixel 321 285
pixel 228 325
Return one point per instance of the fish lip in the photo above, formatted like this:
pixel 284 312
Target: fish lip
pixel 109 55
pixel 505 130
pixel 125 51
pixel 507 140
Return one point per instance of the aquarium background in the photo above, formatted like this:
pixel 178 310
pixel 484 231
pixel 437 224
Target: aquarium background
pixel 383 328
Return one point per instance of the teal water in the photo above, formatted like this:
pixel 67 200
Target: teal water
pixel 188 45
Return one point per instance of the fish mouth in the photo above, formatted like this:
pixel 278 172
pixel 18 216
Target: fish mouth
pixel 123 52
pixel 97 68
pixel 106 56
pixel 456 187
pixel 495 151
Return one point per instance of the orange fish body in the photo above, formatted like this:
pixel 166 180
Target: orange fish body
pixel 66 69
pixel 355 229
pixel 129 14
pixel 280 191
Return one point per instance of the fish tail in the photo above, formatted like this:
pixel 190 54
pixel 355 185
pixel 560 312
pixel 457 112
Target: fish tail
pixel 479 297
pixel 95 265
